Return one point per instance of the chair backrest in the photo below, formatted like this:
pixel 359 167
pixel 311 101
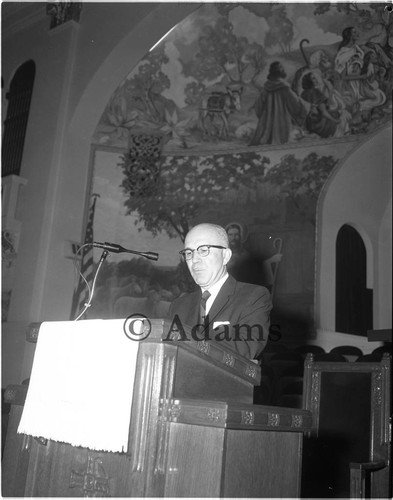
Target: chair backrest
pixel 305 349
pixel 370 358
pixel 350 404
pixel 383 348
pixel 333 357
pixel 350 352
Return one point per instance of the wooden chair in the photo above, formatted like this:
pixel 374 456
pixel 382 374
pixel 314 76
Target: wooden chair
pixel 370 358
pixel 331 357
pixel 382 349
pixel 350 352
pixel 305 349
pixel 347 455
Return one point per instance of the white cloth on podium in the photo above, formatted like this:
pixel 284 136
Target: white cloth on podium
pixel 81 384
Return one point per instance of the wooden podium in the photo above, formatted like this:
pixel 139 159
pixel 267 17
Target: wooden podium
pixel 194 432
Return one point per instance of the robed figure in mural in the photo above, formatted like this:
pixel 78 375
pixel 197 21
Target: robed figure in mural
pixel 360 88
pixel 277 107
pixel 319 121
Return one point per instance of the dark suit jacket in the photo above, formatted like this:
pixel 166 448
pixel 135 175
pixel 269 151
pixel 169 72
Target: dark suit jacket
pixel 236 304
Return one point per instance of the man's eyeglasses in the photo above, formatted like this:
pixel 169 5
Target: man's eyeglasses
pixel 203 251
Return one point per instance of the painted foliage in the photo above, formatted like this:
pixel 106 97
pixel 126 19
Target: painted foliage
pixel 238 117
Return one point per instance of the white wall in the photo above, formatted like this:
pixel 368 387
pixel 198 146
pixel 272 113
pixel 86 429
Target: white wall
pixel 383 306
pixel 359 194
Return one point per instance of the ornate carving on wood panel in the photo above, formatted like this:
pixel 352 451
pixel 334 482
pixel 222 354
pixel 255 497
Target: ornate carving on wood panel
pixel 273 419
pixel 9 243
pixel 297 421
pixel 9 394
pixel 174 412
pixel 215 414
pixel 377 388
pixel 42 441
pixel 32 332
pixel 174 334
pixel 203 346
pixel 251 371
pixel 229 359
pixel 16 394
pixel 315 388
pixel 248 417
pixel 93 481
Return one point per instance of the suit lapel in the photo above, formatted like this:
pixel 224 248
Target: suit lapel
pixel 222 299
pixel 192 315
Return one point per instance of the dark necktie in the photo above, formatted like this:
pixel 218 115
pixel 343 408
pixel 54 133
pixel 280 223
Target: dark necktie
pixel 202 307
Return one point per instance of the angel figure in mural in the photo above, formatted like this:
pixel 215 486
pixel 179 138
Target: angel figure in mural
pixel 379 63
pixel 358 83
pixel 277 107
pixel 325 81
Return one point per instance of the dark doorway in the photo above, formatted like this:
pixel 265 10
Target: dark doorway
pixel 354 301
pixel 15 124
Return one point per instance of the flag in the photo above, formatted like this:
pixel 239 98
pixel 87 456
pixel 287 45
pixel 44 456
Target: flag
pixel 81 293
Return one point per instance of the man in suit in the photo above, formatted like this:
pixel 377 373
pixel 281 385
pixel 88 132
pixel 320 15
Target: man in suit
pixel 233 312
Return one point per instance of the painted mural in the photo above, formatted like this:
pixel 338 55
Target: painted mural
pixel 238 116
pixel 256 74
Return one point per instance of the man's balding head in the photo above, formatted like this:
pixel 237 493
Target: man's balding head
pixel 214 231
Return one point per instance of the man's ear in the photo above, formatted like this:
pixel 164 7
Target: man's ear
pixel 227 255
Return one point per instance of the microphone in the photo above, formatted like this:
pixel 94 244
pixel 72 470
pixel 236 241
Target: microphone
pixel 112 247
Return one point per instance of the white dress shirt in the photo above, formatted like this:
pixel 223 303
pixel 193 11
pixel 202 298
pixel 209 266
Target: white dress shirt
pixel 213 290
